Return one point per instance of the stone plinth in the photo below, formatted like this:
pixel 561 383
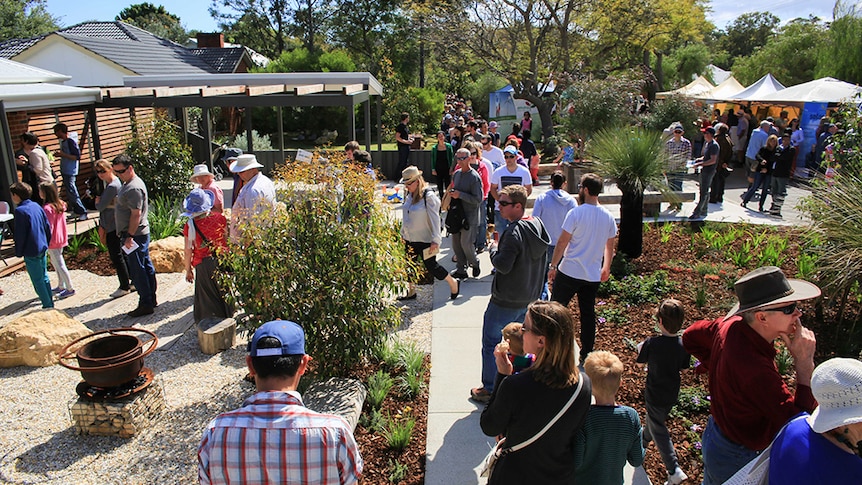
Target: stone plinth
pixel 339 396
pixel 122 417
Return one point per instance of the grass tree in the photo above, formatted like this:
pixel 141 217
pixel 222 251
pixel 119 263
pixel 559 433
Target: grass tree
pixel 634 158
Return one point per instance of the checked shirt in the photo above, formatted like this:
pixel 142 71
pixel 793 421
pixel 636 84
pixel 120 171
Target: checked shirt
pixel 274 439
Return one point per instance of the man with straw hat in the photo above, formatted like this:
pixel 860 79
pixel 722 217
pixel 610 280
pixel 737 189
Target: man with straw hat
pixel 749 400
pixel 202 176
pixel 257 193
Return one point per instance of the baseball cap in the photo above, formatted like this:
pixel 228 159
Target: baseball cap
pixel 289 334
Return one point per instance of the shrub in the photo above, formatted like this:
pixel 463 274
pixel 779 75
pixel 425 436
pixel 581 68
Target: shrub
pixel 373 421
pixel 649 288
pixel 330 258
pixel 379 385
pixel 163 215
pixel 94 240
pixel 161 160
pixel 673 108
pixel 397 471
pixel 398 432
pixel 594 104
pixel 692 400
pixel 410 384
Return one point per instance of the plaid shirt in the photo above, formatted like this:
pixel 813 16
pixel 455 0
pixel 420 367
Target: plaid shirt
pixel 274 439
pixel 678 154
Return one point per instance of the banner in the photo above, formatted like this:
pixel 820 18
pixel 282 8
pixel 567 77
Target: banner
pixel 810 120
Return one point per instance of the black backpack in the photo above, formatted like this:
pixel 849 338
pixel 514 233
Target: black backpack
pixel 456 218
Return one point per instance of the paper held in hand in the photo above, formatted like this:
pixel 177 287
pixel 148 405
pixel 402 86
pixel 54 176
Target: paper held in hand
pixel 130 249
pixel 427 253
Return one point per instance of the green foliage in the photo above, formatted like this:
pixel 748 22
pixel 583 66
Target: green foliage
pixel 841 53
pixel 410 385
pixel 301 60
pixel 379 385
pixel 610 314
pixel 663 112
pixel 684 63
pixel 411 357
pixel 477 91
pixel 373 420
pixel 259 142
pixel 161 160
pixel 633 158
pixel 621 266
pixel 783 360
pixel 76 242
pixel 329 260
pixel 748 32
pixel 799 40
pixel 155 20
pixel 398 432
pixel 700 296
pixel 94 240
pixel 773 254
pixel 806 265
pixel 23 19
pixel 742 256
pixel 424 106
pixel 597 103
pixel 649 288
pixel 397 471
pixel 388 352
pixel 692 400
pixel 164 217
pixel 667 231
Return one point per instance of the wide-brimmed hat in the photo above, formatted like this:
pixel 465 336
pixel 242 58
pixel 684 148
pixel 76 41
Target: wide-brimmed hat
pixel 410 174
pixel 200 170
pixel 768 286
pixel 198 201
pixel 837 386
pixel 245 162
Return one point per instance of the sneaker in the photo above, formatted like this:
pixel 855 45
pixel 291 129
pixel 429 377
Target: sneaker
pixel 479 394
pixel 476 270
pixel 57 290
pixel 141 311
pixel 82 217
pixel 120 292
pixel 676 477
pixel 65 294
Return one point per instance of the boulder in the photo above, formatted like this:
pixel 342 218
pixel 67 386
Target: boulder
pixel 36 338
pixel 340 396
pixel 167 254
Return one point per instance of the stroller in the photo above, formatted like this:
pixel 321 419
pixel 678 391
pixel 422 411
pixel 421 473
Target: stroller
pixel 219 160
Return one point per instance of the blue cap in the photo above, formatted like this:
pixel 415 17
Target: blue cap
pixel 290 335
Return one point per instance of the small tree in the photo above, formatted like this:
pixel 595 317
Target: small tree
pixel 634 159
pixel 161 159
pixel 329 258
pixel 666 111
pixel 592 104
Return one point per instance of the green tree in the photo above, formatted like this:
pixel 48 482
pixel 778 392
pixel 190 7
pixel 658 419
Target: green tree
pixel 23 19
pixel 161 159
pixel 748 32
pixel 155 20
pixel 301 60
pixel 841 53
pixel 684 63
pixel 380 21
pixel 791 56
pixel 593 103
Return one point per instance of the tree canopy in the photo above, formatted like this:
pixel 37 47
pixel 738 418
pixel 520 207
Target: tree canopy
pixel 22 19
pixel 155 20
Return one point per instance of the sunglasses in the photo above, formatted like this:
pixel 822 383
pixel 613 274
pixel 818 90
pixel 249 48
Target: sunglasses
pixel 461 158
pixel 787 310
pixel 504 203
pixel 121 171
pixel 474 154
pixel 677 131
pixel 101 171
pixel 509 156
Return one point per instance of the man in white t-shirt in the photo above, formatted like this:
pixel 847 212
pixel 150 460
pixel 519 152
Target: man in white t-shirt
pixel 509 174
pixel 491 153
pixel 587 240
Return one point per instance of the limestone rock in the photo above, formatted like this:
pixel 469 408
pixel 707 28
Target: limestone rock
pixel 36 338
pixel 340 396
pixel 167 254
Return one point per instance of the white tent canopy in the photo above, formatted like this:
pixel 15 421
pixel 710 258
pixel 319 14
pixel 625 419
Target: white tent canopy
pixel 694 88
pixel 763 87
pixel 823 90
pixel 725 90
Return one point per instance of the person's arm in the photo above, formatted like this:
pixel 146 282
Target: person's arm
pixel 107 197
pixel 432 208
pixel 187 259
pixel 559 250
pixel 22 232
pixel 636 452
pixel 134 222
pixel 498 412
pixel 503 259
pixel 204 460
pixel 608 259
pixel 698 338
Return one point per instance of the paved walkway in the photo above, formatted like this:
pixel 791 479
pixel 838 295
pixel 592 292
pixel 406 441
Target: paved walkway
pixel 455 445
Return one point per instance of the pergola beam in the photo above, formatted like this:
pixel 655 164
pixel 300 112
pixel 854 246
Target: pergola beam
pixel 126 92
pixel 308 89
pixel 222 90
pixel 260 90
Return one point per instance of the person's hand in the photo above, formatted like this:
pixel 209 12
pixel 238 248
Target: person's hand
pixel 21 160
pixel 503 365
pixel 801 343
pixel 434 247
pixel 606 274
pixel 434 172
pixel 128 242
pixel 456 194
pixel 552 273
pixel 58 153
pixel 190 275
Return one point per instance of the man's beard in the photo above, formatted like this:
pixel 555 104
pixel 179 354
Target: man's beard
pixel 581 198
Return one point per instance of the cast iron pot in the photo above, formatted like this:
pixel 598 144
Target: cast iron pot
pixel 109 358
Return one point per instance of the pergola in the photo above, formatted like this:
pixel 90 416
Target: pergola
pixel 300 89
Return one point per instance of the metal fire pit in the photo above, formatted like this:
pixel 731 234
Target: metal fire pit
pixel 109 358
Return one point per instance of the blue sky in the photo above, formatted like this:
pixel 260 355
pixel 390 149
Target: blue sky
pixel 194 13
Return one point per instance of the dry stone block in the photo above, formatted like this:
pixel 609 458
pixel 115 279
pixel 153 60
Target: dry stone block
pixel 36 338
pixel 339 396
pixel 167 254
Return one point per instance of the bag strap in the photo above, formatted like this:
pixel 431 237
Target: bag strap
pixel 199 233
pixel 551 423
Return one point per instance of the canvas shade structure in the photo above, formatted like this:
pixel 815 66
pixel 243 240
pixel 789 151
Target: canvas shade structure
pixel 697 87
pixel 725 90
pixel 823 90
pixel 756 92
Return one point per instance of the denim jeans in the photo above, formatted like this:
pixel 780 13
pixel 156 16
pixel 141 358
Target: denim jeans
pixel 706 175
pixel 779 193
pixel 481 229
pixel 496 317
pixel 142 272
pixel 721 457
pixel 72 196
pixel 546 295
pixel 38 272
pixel 500 224
pixel 566 287
pixel 760 180
pixel 674 180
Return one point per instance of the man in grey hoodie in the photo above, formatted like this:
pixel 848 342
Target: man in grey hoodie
pixel 520 260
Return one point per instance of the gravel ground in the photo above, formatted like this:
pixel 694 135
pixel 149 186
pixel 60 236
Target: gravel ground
pixel 37 441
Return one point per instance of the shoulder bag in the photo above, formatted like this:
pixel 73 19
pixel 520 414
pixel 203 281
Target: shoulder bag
pixel 500 450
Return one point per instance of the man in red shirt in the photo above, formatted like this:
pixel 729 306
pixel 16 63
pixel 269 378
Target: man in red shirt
pixel 749 400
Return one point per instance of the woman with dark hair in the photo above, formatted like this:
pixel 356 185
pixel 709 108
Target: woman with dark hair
pixel 35 162
pixel 764 170
pixel 442 160
pixel 523 404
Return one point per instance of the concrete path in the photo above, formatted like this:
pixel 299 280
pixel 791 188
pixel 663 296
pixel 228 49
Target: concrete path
pixel 455 445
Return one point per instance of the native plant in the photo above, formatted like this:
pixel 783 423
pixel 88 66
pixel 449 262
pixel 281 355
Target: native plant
pixel 163 215
pixel 379 385
pixel 634 159
pixel 94 240
pixel 397 432
pixel 161 159
pixel 328 257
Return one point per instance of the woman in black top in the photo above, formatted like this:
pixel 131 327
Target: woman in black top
pixel 764 170
pixel 442 156
pixel 522 404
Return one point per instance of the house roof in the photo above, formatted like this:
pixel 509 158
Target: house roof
pixel 135 49
pixel 12 72
pixel 223 59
